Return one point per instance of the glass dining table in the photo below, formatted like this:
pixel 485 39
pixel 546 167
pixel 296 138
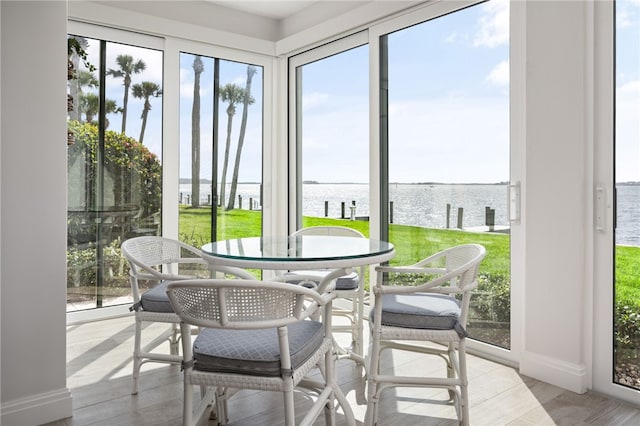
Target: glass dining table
pixel 301 252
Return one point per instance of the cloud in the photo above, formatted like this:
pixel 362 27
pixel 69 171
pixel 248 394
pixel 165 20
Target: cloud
pixel 631 88
pixel 494 24
pixel 456 37
pixel 499 75
pixel 627 14
pixel 314 99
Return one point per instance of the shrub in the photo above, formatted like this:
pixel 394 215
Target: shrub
pixel 135 171
pixel 82 266
pixel 492 299
pixel 627 325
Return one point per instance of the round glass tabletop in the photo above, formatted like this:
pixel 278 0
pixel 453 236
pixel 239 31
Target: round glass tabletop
pixel 303 248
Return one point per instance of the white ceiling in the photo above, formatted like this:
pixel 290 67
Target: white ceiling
pixel 270 20
pixel 269 9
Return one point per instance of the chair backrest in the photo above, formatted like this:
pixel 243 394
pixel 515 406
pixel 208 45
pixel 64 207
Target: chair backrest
pixel 329 230
pixel 243 304
pixel 450 271
pixel 463 262
pixel 338 231
pixel 453 270
pixel 151 253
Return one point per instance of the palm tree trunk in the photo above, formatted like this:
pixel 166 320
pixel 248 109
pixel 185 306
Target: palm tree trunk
pixel 243 127
pixel 227 148
pixel 145 112
pixel 125 102
pixel 195 134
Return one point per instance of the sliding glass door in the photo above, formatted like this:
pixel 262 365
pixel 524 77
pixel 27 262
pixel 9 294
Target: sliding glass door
pixel 616 362
pixel 626 320
pixel 444 111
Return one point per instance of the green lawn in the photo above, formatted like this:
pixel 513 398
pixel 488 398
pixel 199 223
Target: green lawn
pixel 195 228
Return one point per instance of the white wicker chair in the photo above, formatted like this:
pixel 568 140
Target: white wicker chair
pixel 349 287
pixel 428 311
pixel 255 335
pixel 159 260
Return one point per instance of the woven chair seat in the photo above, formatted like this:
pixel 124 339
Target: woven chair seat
pixel 155 299
pixel 254 352
pixel 421 311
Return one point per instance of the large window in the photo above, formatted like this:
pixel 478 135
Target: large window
pixel 332 98
pixel 221 130
pixel 445 142
pixel 114 164
pixel 626 369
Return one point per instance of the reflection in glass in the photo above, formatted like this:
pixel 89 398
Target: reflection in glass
pixel 114 165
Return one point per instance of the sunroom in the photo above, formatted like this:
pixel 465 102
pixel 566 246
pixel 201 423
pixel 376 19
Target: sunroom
pixel 422 123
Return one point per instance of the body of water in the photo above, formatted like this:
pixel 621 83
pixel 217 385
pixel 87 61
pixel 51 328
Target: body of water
pixel 426 204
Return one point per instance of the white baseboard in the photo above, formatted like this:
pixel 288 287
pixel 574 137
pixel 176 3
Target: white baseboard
pixel 37 409
pixel 563 374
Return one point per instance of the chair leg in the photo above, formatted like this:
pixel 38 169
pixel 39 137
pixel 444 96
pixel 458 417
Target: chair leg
pixel 464 384
pixel 371 415
pixel 359 339
pixel 330 413
pixel 137 362
pixel 289 412
pixel 187 409
pixel 174 342
pixel 451 370
pixel 330 379
pixel 360 324
pixel 221 406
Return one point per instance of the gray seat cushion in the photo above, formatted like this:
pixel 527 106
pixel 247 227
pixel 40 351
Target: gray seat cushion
pixel 156 299
pixel 427 311
pixel 346 282
pixel 254 352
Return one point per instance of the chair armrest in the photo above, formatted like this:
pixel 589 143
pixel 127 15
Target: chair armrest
pixel 191 260
pixel 410 270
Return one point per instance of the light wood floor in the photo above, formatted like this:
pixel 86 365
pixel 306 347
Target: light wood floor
pixel 99 368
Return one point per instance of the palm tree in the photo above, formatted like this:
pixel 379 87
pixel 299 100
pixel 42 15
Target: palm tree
pixel 78 45
pixel 90 106
pixel 232 94
pixel 247 100
pixel 83 78
pixel 127 68
pixel 145 90
pixel 198 68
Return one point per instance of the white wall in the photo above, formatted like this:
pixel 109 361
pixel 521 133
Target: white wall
pixel 554 214
pixel 33 221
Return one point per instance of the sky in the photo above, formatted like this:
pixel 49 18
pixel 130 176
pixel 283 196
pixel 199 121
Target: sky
pixel 448 103
pixel 628 90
